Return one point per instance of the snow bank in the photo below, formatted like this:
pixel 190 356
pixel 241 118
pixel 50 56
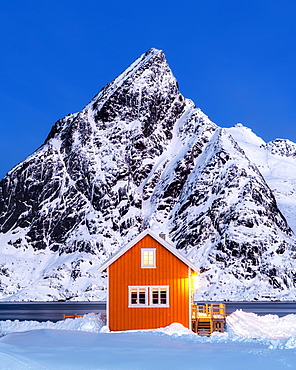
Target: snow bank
pixel 250 325
pixel 240 324
pixel 89 323
pixel 174 329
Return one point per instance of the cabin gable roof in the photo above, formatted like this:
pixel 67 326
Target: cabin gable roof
pixel 134 241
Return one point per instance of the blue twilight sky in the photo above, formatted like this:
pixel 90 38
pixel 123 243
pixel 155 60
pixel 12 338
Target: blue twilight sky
pixel 234 58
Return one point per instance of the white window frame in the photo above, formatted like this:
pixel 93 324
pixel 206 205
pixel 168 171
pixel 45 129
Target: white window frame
pixel 148 296
pixel 143 250
pixel 159 287
pixel 137 287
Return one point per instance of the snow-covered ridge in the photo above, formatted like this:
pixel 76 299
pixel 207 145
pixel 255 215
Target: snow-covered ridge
pixel 282 147
pixel 276 161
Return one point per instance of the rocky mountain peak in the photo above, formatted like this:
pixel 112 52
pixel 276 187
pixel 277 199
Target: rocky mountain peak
pixel 141 155
pixel 136 102
pixel 149 66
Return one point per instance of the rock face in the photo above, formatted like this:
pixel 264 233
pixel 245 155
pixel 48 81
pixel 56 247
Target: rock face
pixel 141 155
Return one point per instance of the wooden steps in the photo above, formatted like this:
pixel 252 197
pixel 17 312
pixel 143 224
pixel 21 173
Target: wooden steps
pixel 208 318
pixel 204 327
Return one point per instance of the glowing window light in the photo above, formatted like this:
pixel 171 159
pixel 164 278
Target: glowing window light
pixel 148 257
pixel 195 281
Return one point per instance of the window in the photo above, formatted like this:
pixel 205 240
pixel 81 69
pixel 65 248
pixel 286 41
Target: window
pixel 159 296
pixel 148 259
pixel 138 296
pixel 148 296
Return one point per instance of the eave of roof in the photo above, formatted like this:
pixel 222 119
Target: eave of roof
pixel 134 241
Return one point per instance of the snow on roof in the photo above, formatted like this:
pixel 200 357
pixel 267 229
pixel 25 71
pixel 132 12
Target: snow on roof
pixel 160 240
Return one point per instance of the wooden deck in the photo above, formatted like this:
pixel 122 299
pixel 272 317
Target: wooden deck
pixel 103 316
pixel 71 316
pixel 208 317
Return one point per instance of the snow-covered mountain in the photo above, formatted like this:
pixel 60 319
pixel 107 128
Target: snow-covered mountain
pixel 141 155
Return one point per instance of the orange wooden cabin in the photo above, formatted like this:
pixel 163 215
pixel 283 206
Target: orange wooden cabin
pixel 150 285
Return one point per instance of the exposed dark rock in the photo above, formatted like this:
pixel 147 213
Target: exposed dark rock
pixel 141 155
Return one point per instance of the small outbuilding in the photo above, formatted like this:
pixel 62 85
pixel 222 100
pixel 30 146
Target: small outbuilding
pixel 150 285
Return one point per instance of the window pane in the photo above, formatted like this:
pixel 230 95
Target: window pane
pixel 163 296
pixel 133 296
pixel 142 296
pixel 146 260
pixel 154 296
pixel 150 258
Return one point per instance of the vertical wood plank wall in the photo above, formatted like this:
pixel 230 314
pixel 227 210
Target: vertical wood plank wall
pixel 127 271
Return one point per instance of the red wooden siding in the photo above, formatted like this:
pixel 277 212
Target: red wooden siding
pixel 126 271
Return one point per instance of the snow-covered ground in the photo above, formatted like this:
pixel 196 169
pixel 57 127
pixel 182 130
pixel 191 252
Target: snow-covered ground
pixel 251 342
